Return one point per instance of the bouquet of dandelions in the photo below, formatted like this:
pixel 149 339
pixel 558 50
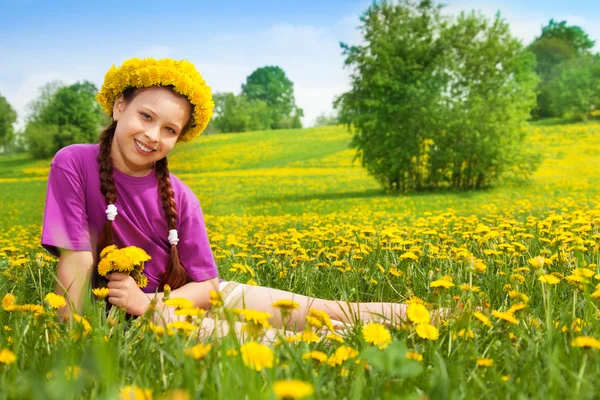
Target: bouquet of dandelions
pixel 128 260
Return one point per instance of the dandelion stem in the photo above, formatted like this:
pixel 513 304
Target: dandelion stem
pixel 580 376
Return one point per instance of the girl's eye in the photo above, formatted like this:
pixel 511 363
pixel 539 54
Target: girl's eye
pixel 172 130
pixel 146 116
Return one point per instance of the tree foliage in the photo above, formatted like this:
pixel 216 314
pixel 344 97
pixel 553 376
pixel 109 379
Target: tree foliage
pixel 575 87
pixel 271 85
pixel 557 45
pixel 63 115
pixel 238 114
pixel 8 117
pixel 437 102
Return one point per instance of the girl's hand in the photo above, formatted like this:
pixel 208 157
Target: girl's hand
pixel 123 292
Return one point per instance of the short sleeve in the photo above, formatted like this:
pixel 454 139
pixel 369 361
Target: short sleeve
pixel 194 247
pixel 65 223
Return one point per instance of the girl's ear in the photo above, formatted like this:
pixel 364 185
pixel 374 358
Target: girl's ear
pixel 118 107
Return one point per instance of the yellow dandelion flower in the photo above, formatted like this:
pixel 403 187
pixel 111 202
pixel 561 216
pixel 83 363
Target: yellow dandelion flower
pixel 483 318
pixel 183 326
pixel 341 355
pixel 215 299
pixel 8 302
pixel 538 262
pixel 190 312
pixel 179 302
pixel 377 334
pixel 293 389
pixel 132 392
pixel 507 316
pixel 7 357
pixel 441 283
pixel 334 338
pixel 427 331
pixel 516 307
pixel 315 356
pixel 55 300
pixel 485 362
pixel 100 293
pixel 254 316
pixel 549 279
pixel 107 250
pixel 586 342
pixel 417 313
pixel 285 304
pixel 257 356
pixel 321 316
pixel 411 355
pixel 198 351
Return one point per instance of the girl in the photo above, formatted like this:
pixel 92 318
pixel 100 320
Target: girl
pixel 120 191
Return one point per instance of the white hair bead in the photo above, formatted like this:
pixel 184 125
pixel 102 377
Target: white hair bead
pixel 173 239
pixel 111 212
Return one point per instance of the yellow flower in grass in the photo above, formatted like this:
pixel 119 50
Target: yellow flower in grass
pixel 417 313
pixel 586 342
pixel 411 355
pixel 483 318
pixel 318 319
pixel 132 392
pixel 100 293
pixel 198 351
pixel 9 301
pixel 183 326
pixel 485 362
pixel 257 356
pixel 7 357
pixel 83 323
pixel 293 389
pixel 179 303
pixel 254 316
pixel 444 283
pixel 334 337
pixel 596 294
pixel 516 307
pixel 190 312
pixel 538 262
pixel 315 356
pixel 341 355
pixel 215 299
pixel 55 300
pixel 507 316
pixel 286 305
pixel 308 336
pixel 377 334
pixel 549 279
pixel 428 331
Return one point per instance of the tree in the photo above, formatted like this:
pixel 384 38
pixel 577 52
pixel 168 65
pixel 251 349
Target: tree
pixel 436 102
pixel 8 117
pixel 67 114
pixel 557 44
pixel 575 87
pixel 271 85
pixel 238 114
pixel 325 120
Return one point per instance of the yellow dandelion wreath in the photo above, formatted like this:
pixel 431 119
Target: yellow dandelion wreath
pixel 149 72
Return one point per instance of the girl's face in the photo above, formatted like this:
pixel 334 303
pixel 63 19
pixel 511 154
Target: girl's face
pixel 147 129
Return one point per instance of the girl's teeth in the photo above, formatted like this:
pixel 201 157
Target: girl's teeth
pixel 142 147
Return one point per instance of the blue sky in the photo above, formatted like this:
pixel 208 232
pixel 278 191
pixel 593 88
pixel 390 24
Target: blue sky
pixel 41 41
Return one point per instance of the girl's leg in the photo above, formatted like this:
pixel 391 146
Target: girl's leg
pixel 261 298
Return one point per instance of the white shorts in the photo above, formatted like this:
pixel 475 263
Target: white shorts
pixel 229 290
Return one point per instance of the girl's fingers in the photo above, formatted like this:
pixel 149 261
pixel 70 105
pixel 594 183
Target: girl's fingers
pixel 117 276
pixel 112 292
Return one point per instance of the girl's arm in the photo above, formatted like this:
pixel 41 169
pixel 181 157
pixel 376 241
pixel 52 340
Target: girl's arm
pixel 74 274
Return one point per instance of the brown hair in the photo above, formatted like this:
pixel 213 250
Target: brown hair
pixel 175 275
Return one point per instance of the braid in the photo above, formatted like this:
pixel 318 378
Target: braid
pixel 109 191
pixel 175 275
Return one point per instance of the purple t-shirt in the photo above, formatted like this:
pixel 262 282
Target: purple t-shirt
pixel 75 213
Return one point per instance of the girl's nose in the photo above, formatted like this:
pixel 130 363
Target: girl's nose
pixel 153 134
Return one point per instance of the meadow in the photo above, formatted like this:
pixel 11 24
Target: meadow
pixel 517 265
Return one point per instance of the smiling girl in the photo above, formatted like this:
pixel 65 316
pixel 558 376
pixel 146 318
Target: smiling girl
pixel 120 192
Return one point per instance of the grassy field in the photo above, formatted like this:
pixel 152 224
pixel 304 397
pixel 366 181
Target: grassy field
pixel 289 209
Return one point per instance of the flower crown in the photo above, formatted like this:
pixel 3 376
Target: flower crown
pixel 149 72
